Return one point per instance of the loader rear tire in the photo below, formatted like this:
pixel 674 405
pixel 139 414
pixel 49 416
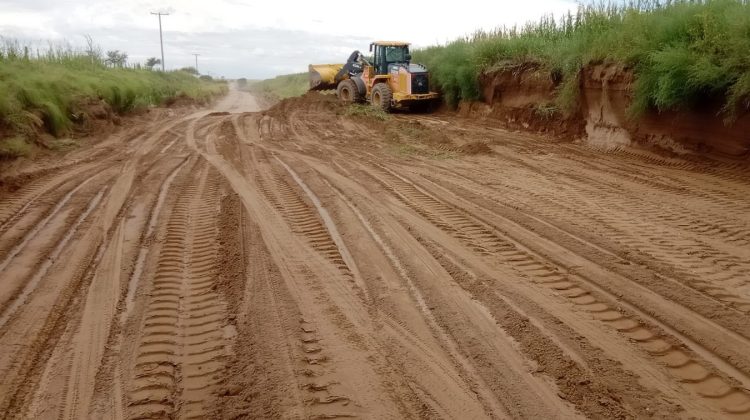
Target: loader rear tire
pixel 347 92
pixel 381 97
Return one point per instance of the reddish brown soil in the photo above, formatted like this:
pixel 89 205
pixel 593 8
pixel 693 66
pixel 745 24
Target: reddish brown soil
pixel 516 99
pixel 300 263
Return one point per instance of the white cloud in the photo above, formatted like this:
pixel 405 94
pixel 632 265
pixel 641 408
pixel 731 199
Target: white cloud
pixel 257 38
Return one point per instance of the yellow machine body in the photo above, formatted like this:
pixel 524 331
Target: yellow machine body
pixel 323 76
pixel 408 83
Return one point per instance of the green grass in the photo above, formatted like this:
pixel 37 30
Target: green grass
pixel 14 147
pixel 43 90
pixel 682 53
pixel 367 111
pixel 281 87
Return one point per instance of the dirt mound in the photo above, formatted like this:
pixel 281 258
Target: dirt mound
pixel 475 148
pixel 310 101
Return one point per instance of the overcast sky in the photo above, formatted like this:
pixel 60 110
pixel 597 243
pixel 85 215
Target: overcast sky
pixel 258 38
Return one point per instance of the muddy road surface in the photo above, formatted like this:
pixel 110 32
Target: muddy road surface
pixel 306 263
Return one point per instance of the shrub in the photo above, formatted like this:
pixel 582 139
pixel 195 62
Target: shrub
pixel 14 147
pixel 682 52
pixel 49 84
pixel 281 87
pixel 367 111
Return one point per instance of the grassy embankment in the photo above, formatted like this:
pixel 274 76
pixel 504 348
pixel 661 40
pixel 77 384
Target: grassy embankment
pixel 280 87
pixel 681 52
pixel 44 92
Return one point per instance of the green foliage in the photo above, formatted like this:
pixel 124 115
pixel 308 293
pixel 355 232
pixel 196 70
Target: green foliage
pixel 190 70
pixel 367 111
pixel 453 70
pixel 42 89
pixel 281 87
pixel 545 111
pixel 152 62
pixel 682 52
pixel 116 58
pixel 14 147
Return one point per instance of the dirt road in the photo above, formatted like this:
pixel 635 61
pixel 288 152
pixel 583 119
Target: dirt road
pixel 299 263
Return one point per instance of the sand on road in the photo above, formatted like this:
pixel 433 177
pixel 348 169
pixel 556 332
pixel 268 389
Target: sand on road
pixel 300 263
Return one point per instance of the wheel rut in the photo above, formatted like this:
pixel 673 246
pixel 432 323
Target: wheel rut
pixel 182 350
pixel 302 218
pixel 691 372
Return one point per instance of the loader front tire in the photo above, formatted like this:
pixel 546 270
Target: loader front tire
pixel 347 92
pixel 381 97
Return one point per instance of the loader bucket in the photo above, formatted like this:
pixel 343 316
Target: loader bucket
pixel 323 76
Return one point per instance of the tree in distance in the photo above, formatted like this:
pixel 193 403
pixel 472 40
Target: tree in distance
pixel 190 70
pixel 152 62
pixel 115 58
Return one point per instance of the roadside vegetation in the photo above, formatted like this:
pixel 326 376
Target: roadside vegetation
pixel 366 111
pixel 682 52
pixel 280 87
pixel 47 91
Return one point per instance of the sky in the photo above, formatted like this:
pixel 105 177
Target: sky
pixel 258 39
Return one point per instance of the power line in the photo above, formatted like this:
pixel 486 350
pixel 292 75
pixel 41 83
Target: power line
pixel 161 38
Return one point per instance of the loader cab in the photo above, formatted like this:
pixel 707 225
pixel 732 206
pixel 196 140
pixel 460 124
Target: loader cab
pixel 386 53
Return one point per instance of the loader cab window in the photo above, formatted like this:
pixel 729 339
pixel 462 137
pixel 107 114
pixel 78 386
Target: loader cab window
pixel 396 54
pixel 385 55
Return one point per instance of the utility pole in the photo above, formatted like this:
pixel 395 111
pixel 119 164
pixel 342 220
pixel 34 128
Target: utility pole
pixel 161 38
pixel 196 63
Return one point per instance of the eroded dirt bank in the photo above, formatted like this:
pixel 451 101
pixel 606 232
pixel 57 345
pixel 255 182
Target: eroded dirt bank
pixel 523 98
pixel 298 263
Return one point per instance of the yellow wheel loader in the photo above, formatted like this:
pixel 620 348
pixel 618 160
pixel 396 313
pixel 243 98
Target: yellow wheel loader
pixel 387 80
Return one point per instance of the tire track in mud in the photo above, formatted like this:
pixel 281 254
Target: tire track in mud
pixel 588 174
pixel 719 276
pixel 690 371
pixel 579 243
pixel 42 224
pixel 302 219
pixel 314 367
pixel 48 317
pixel 403 332
pixel 34 327
pixel 12 208
pixel 662 179
pixel 180 356
pixel 667 210
pixel 325 294
pixel 89 342
pixel 262 363
pixel 44 268
pixel 692 262
pixel 692 256
pixel 135 277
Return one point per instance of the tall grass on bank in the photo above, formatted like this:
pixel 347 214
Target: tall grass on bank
pixel 41 90
pixel 682 52
pixel 281 87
